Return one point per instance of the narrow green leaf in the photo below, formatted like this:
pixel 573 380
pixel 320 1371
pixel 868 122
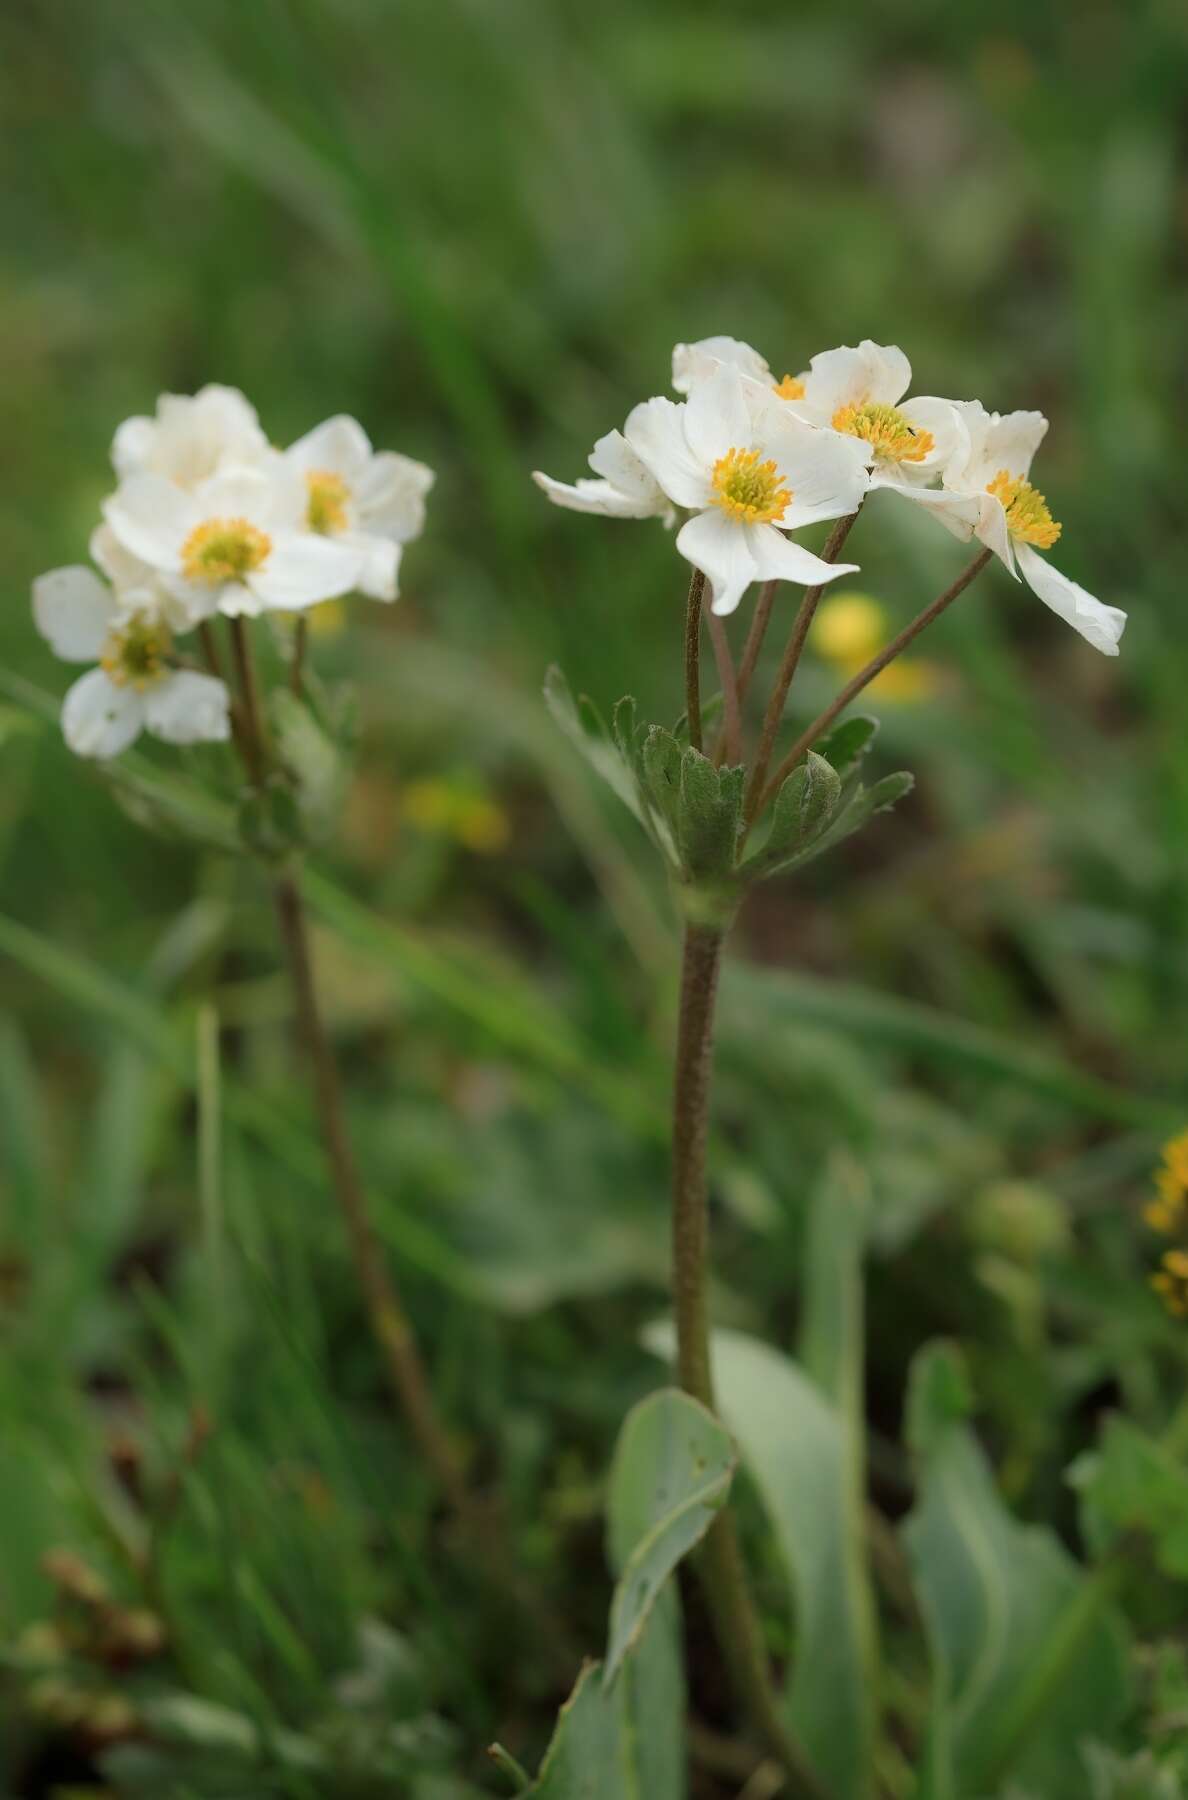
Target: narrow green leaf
pixel 709 818
pixel 847 744
pixel 672 1471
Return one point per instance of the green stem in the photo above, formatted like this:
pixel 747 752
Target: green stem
pixel 720 1564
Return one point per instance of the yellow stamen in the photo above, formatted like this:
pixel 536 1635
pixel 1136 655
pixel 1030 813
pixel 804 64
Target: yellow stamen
pixel 1026 510
pixel 889 433
pixel 790 388
pixel 749 490
pixel 136 655
pixel 328 497
pixel 224 550
pixel 1171 1282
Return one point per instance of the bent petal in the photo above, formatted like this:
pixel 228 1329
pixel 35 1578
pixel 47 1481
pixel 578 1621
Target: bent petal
pixel 98 718
pixel 958 513
pixel 1100 625
pixel 188 708
pixel 301 571
pixel 379 560
pixel 586 496
pixel 391 495
pixel 655 430
pixel 72 610
pixel 778 558
pixel 696 362
pixel 613 458
pixel 826 470
pixel 720 548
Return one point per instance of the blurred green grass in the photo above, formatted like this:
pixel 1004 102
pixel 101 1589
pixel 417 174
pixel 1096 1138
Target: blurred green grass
pixel 480 228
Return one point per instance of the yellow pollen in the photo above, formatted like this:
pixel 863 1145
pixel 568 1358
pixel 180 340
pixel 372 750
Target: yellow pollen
pixel 790 388
pixel 890 435
pixel 1026 510
pixel 1171 1282
pixel 328 496
pixel 136 656
pixel 224 550
pixel 749 490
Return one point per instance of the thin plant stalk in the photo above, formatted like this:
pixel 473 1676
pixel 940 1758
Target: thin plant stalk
pixel 693 657
pixel 874 667
pixel 736 1622
pixel 791 661
pixel 760 619
pixel 729 744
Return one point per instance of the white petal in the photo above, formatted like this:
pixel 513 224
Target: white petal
pixel 826 470
pixel 197 434
pixel 72 609
pixel 717 416
pixel 992 530
pixel 1012 441
pixel 301 570
pixel 235 601
pixel 655 430
pixel 122 568
pixel 1099 625
pixel 850 377
pixel 98 718
pixel 243 492
pixel 132 446
pixel 339 444
pixel 778 558
pixel 151 518
pixel 613 458
pixel 188 708
pixel 695 362
pixel 391 494
pixel 719 547
pixel 950 440
pixel 587 496
pixel 958 513
pixel 379 564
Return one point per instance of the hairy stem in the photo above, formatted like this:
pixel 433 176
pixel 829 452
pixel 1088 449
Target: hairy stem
pixel 793 652
pixel 720 1564
pixel 760 619
pixel 693 657
pixel 729 745
pixel 405 1369
pixel 874 667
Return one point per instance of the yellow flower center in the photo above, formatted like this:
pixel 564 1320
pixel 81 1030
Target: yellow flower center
pixel 328 496
pixel 748 489
pixel 891 436
pixel 1026 510
pixel 224 550
pixel 790 388
pixel 136 655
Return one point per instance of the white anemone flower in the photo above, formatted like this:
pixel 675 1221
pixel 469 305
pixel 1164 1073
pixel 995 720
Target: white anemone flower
pixel 192 437
pixel 371 502
pixel 697 362
pixel 134 688
pixel 860 392
pixel 992 499
pixel 626 487
pixel 237 543
pixel 749 471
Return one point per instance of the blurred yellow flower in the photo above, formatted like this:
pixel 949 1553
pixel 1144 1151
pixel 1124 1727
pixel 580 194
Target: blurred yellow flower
pixel 1169 1212
pixel 850 629
pixel 443 808
pixel 328 618
pixel 1171 1282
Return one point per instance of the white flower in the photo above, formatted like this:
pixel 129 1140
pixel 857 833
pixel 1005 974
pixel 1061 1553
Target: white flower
pixel 134 688
pixel 692 363
pixel 236 543
pixel 749 470
pixel 192 437
pixel 860 392
pixel 627 489
pixel 992 499
pixel 370 502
